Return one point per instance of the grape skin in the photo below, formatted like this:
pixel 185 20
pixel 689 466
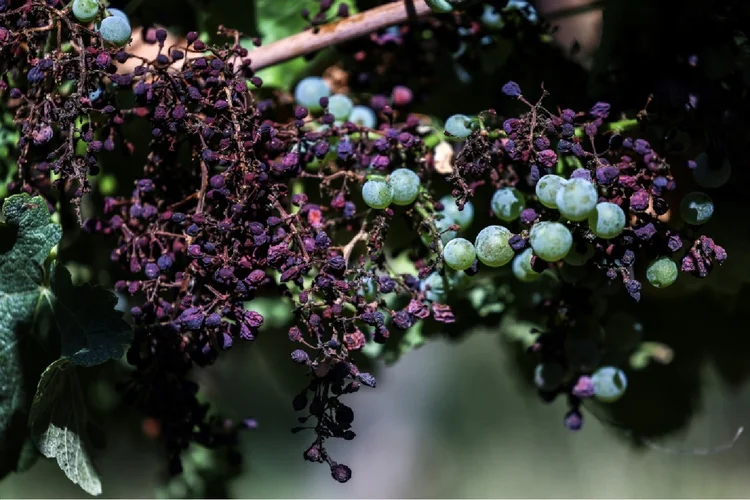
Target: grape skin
pixel 662 272
pixel 551 241
pixel 363 116
pixel 696 208
pixel 116 30
pixel 405 184
pixel 434 287
pixel 462 217
pixel 310 90
pixel 459 254
pixel 609 384
pixel 458 126
pixel 576 199
pixel 508 203
pixel 607 220
pixel 547 188
pixel 118 13
pixel 492 246
pixel 707 177
pixel 377 194
pixel 340 106
pixel 522 267
pixel 85 10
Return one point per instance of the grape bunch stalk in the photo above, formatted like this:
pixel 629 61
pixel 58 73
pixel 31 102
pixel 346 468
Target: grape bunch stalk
pixel 242 199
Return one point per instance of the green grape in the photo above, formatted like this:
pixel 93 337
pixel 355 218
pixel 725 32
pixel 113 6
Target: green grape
pixel 116 30
pixel 459 254
pixel 547 188
pixel 118 13
pixel 439 6
pixel 508 203
pixel 522 267
pixel 491 17
pixel 607 220
pixel 696 208
pixel 551 241
pixel 435 287
pixel 310 90
pixel 492 246
pixel 662 272
pixel 377 194
pixel 405 184
pixel 580 254
pixel 708 177
pixel 576 199
pixel 368 289
pixel 462 217
pixel 609 384
pixel 340 106
pixel 363 116
pixel 443 225
pixel 548 376
pixel 458 126
pixel 85 10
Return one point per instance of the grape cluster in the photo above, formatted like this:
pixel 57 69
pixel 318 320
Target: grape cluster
pixel 242 199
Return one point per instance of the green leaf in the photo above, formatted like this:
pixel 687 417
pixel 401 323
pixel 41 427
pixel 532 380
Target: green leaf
pixel 21 285
pixel 58 425
pixel 91 329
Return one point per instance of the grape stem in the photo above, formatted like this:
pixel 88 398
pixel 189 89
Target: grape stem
pixel 338 32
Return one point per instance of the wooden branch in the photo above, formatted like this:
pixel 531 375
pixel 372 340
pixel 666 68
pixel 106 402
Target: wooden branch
pixel 341 31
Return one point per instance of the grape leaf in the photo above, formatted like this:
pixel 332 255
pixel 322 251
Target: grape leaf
pixel 21 284
pixel 58 421
pixel 91 329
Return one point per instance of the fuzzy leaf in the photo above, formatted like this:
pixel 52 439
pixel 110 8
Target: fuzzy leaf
pixel 91 329
pixel 21 285
pixel 58 422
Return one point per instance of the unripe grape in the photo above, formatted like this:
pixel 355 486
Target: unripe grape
pixel 708 177
pixel 609 384
pixel 340 106
pixel 576 199
pixel 85 10
pixel 116 30
pixel 462 217
pixel 522 267
pixel 547 188
pixel 607 220
pixel 662 272
pixel 309 91
pixel 550 241
pixel 363 116
pixel 548 376
pixel 405 184
pixel 439 6
pixel 377 194
pixel 492 246
pixel 491 17
pixel 508 203
pixel 442 225
pixel 696 208
pixel 458 126
pixel 434 287
pixel 459 254
pixel 118 13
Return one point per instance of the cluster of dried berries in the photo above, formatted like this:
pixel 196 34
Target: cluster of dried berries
pixel 235 204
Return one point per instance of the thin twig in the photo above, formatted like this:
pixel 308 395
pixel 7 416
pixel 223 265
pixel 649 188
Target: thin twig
pixel 338 32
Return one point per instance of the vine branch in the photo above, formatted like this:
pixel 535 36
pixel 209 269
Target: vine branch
pixel 338 32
